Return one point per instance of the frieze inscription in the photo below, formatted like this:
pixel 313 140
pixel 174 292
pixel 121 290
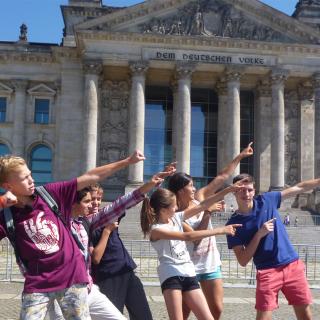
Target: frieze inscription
pixel 205 57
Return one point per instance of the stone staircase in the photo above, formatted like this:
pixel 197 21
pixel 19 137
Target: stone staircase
pixel 307 231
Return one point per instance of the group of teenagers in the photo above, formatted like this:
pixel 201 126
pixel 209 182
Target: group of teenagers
pixel 76 266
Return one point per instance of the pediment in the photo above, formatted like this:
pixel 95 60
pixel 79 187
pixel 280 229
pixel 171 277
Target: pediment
pixel 250 20
pixel 41 89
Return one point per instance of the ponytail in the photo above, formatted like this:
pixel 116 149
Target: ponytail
pixel 147 216
pixel 150 211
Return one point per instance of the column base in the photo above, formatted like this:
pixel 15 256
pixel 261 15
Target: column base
pixel 275 188
pixel 131 186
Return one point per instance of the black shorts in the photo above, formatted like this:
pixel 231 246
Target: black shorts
pixel 181 283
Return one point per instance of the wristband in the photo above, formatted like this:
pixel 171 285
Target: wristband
pixel 3 202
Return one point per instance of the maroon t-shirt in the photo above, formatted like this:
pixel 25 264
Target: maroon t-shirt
pixel 53 259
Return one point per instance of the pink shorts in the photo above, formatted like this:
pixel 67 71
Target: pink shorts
pixel 290 279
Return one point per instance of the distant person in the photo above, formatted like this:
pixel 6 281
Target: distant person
pixel 264 238
pixel 296 221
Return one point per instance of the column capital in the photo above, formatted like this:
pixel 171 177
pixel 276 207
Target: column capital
pixel 305 92
pixel 234 73
pixel 20 84
pixel 92 67
pixel 222 88
pixel 184 70
pixel 138 68
pixel 263 88
pixel 316 80
pixel 174 85
pixel 278 76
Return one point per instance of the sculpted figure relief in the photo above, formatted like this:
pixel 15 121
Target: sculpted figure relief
pixel 212 18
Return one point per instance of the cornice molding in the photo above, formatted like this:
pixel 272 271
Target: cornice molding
pixel 13 56
pixel 218 42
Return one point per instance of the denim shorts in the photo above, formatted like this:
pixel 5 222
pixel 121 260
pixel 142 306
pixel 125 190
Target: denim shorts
pixel 180 283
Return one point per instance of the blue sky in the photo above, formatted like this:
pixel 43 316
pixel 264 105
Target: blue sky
pixel 44 19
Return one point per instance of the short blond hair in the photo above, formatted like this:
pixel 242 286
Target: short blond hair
pixel 9 164
pixel 96 187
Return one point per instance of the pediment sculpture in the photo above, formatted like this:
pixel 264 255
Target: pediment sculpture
pixel 212 18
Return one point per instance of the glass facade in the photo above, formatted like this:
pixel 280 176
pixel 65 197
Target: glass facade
pixel 247 128
pixel 3 109
pixel 41 164
pixel 204 117
pixel 41 112
pixel 158 130
pixel 204 124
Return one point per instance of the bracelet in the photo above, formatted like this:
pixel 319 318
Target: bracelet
pixel 3 202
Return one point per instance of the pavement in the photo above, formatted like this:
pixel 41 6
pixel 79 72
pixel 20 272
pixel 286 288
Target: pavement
pixel 238 303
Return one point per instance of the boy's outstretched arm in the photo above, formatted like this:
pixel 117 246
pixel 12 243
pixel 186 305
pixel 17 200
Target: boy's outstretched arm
pixel 301 187
pixel 97 174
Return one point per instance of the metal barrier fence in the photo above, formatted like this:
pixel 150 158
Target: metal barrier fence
pixel 303 220
pixel 147 262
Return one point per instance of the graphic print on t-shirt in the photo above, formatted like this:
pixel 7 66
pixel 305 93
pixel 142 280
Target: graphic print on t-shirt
pixel 202 249
pixel 44 233
pixel 178 249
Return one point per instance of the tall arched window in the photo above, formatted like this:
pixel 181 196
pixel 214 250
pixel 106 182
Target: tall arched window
pixel 41 164
pixel 4 149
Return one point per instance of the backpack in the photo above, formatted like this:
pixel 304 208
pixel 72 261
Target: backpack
pixel 47 198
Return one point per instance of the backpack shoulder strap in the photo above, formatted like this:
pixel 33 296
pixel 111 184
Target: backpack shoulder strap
pixel 8 218
pixel 9 223
pixel 47 198
pixel 86 224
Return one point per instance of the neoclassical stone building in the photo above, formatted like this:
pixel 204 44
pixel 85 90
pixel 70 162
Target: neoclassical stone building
pixel 192 80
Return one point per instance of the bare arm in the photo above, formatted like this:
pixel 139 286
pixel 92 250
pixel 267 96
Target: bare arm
pixel 301 187
pixel 224 175
pixel 157 179
pixel 7 200
pixel 97 174
pixel 205 204
pixel 162 233
pixel 245 254
pixel 100 248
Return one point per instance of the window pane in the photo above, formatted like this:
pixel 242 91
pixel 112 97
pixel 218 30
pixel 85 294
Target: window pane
pixel 247 128
pixel 204 116
pixel 3 109
pixel 41 114
pixel 158 130
pixel 4 149
pixel 41 164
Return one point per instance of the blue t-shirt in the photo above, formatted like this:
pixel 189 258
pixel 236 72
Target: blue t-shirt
pixel 275 249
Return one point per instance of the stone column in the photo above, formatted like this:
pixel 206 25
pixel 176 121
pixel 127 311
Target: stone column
pixel 316 84
pixel 18 140
pixel 137 118
pixel 183 119
pixel 278 78
pixel 306 130
pixel 262 128
pixel 232 112
pixel 175 117
pixel 222 90
pixel 92 71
